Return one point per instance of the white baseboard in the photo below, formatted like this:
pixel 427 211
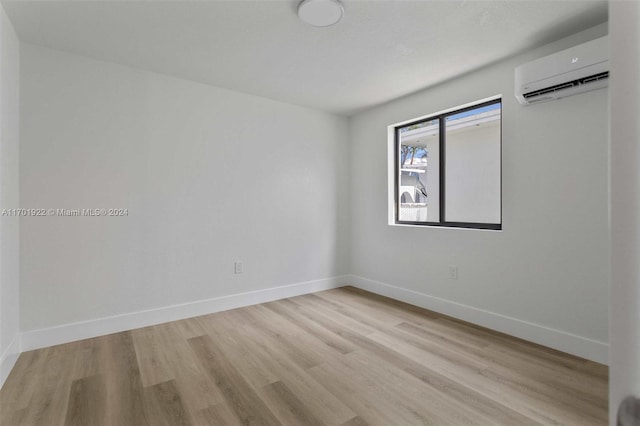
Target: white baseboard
pixel 98 327
pixel 8 359
pixel 556 339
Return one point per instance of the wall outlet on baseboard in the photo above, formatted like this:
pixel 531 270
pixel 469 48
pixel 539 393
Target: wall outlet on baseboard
pixel 238 268
pixel 453 272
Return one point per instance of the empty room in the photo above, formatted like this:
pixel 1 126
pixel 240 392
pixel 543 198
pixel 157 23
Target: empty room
pixel 319 212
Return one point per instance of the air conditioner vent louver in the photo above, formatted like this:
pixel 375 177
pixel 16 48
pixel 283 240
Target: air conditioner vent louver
pixel 545 98
pixel 601 76
pixel 574 83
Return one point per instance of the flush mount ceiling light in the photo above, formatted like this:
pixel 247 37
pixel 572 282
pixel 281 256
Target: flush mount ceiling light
pixel 320 13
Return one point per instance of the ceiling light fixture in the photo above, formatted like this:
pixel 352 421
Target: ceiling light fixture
pixel 320 13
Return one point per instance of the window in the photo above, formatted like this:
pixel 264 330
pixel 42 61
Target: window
pixel 447 169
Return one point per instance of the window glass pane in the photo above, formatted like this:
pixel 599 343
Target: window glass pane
pixel 418 173
pixel 472 166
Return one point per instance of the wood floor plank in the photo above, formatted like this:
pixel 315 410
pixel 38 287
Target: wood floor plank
pixel 163 355
pixel 241 398
pixel 338 357
pixel 498 356
pixel 395 311
pixel 377 318
pixel 438 348
pixel 399 308
pixel 125 399
pixel 358 398
pixel 288 310
pixel 410 395
pixel 500 352
pixel 357 323
pixel 457 341
pixel 516 359
pixel 542 353
pixel 197 391
pixel 87 402
pixel 322 403
pixel 48 403
pixel 287 406
pixel 231 343
pixel 163 405
pixel 539 407
pixel 22 381
pixel 219 415
pixel 461 358
pixel 483 406
pixel 189 328
pixel 590 411
pixel 356 421
pixel 288 334
pixel 151 352
pixel 9 416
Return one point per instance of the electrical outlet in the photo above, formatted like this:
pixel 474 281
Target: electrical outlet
pixel 238 268
pixel 453 272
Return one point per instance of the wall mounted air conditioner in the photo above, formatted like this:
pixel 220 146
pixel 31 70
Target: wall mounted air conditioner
pixel 579 69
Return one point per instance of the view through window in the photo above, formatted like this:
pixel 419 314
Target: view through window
pixel 448 169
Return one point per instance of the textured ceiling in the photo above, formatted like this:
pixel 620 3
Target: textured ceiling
pixel 381 50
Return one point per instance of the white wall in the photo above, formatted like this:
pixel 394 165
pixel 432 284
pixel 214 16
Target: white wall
pixel 9 198
pixel 625 203
pixel 544 277
pixel 209 176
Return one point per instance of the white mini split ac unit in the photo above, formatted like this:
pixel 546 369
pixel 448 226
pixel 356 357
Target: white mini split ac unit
pixel 579 69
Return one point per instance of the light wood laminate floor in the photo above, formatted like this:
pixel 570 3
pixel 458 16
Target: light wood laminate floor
pixel 338 357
